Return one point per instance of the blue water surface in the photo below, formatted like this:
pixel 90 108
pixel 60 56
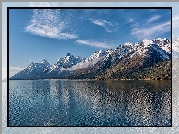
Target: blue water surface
pixel 89 103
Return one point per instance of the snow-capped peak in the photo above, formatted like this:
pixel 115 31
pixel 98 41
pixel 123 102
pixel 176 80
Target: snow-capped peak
pixel 128 44
pixel 44 61
pixel 68 54
pixel 96 55
pixel 147 42
pixel 93 59
pixel 67 62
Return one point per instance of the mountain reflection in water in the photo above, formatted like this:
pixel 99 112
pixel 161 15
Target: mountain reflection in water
pixel 89 103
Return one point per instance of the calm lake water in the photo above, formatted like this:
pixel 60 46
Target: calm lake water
pixel 89 103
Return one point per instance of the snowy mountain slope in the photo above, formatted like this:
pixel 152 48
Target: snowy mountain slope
pixel 143 55
pixel 87 62
pixel 31 71
pixel 165 44
pixel 145 48
pixel 67 62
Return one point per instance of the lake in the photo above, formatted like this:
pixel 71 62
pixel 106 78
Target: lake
pixel 89 103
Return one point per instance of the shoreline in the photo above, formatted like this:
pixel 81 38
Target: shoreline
pixel 97 79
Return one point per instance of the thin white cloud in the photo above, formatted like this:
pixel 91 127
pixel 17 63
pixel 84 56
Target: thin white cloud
pixel 151 32
pixel 175 21
pixel 153 18
pixel 129 20
pixel 108 26
pixel 84 64
pixel 48 23
pixel 93 43
pixel 12 71
pixel 16 68
pixel 13 68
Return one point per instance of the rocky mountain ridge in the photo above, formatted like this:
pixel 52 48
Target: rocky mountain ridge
pixel 128 57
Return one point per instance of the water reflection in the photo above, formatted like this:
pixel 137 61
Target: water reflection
pixel 90 103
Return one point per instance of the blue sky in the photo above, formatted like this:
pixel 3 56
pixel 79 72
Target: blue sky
pixel 37 34
pixel 14 68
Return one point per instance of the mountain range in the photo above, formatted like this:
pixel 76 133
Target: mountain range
pixel 150 59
